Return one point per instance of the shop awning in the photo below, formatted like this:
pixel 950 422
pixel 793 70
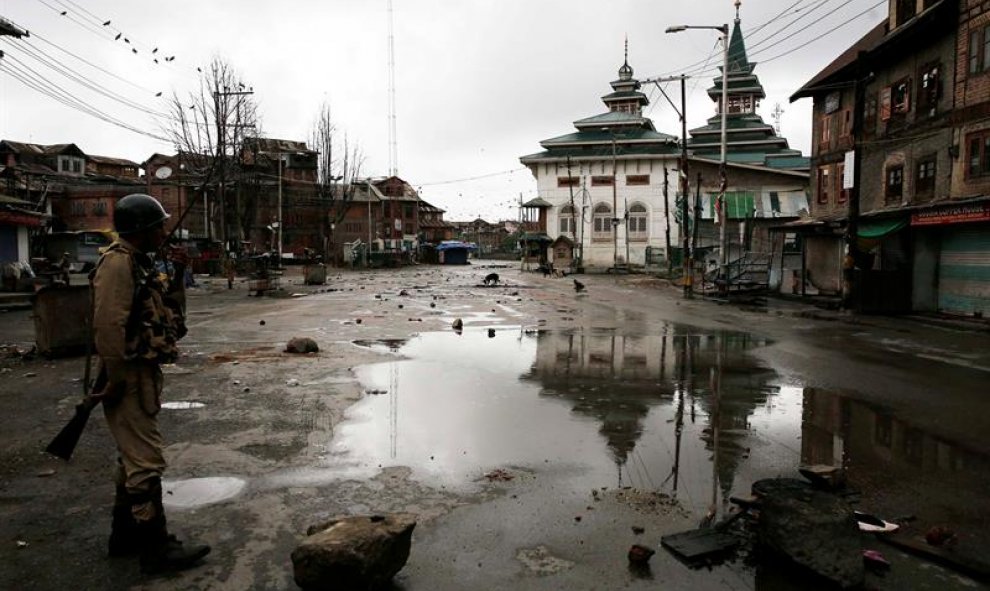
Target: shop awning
pixel 879 228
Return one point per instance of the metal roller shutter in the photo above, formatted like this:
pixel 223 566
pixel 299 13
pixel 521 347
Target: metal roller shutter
pixel 964 271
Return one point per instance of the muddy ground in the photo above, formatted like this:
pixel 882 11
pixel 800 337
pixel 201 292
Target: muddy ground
pixel 589 414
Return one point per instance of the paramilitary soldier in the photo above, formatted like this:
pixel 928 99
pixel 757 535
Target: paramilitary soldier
pixel 137 319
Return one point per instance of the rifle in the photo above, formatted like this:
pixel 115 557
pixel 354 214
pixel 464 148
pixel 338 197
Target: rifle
pixel 65 442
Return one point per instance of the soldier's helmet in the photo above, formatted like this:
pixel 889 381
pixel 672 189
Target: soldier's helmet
pixel 137 212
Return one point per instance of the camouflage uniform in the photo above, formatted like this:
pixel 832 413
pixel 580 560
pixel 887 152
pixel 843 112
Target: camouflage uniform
pixel 136 323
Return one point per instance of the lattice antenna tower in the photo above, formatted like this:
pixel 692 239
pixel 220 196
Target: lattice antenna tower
pixel 393 144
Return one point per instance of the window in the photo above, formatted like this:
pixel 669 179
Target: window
pixel 77 208
pixel 564 181
pixel 566 223
pixel 407 212
pixel 894 187
pixel 929 90
pixel 870 114
pixel 100 208
pixel 825 134
pixel 978 154
pixel 841 194
pixel 905 10
pixel 602 222
pixel 979 50
pixel 637 221
pixel 845 123
pixel 637 179
pixel 925 176
pixel 602 181
pixel 900 96
pixel 824 184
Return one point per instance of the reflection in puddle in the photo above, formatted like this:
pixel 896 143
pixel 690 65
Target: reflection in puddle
pixel 687 413
pixel 196 492
pixel 181 405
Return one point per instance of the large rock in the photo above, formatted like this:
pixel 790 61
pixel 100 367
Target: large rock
pixel 814 528
pixel 354 552
pixel 302 345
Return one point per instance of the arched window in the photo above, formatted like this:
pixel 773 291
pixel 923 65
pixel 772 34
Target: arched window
pixel 567 222
pixel 602 222
pixel 637 222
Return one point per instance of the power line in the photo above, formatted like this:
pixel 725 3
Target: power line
pixel 473 178
pixel 27 76
pixel 35 35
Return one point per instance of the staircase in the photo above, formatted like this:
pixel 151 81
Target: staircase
pixel 748 274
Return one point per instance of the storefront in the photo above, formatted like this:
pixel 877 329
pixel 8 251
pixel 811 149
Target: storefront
pixel 956 239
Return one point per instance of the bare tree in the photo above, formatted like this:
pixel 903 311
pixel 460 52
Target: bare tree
pixel 208 128
pixel 338 170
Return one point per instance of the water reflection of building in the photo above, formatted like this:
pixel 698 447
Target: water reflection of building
pixel 616 379
pixel 840 431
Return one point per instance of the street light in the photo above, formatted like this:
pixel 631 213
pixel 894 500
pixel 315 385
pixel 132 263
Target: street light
pixel 722 245
pixel 615 205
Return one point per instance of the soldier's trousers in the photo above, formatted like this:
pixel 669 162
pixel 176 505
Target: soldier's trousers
pixel 132 416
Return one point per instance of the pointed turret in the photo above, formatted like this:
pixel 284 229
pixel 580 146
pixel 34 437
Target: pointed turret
pixel 750 139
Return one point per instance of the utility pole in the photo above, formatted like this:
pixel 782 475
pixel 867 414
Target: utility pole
pixel 666 217
pixel 615 208
pixel 852 225
pixel 723 180
pixel 570 188
pixel 686 253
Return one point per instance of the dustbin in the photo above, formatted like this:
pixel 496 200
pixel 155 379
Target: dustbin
pixel 60 316
pixel 315 274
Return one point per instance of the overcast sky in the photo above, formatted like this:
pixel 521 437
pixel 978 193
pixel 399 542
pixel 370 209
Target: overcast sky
pixel 479 82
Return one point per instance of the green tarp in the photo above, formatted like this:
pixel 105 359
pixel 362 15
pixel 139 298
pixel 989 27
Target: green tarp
pixel 880 228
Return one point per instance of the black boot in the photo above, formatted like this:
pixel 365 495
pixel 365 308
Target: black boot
pixel 161 552
pixel 124 538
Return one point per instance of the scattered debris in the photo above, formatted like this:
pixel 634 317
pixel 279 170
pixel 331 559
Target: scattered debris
pixel 823 476
pixel 403 292
pixel 302 345
pixel 491 333
pixel 30 374
pixel 357 321
pixel 353 552
pixel 457 324
pixel 45 473
pixel 499 475
pixel 292 383
pixel 638 530
pixel 872 523
pixel 261 322
pixel 433 304
pixel 875 561
pixel 21 544
pixel 639 554
pixel 539 561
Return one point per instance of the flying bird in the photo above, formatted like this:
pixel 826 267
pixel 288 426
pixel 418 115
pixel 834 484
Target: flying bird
pixel 134 50
pixel 126 40
pixel 106 24
pixel 578 286
pixel 117 38
pixel 199 69
pixel 158 94
pixel 156 60
pixel 155 50
pixel 63 13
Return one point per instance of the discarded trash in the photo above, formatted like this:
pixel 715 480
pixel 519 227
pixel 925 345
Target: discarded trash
pixel 638 529
pixel 639 554
pixel 491 333
pixel 45 473
pixel 872 523
pixel 875 560
pixel 940 536
pixel 302 345
pixel 21 544
pixel 823 476
pixel 292 383
pixel 30 374
pixel 499 474
pixel 261 322
pixel 357 321
pixel 457 324
pixel 433 304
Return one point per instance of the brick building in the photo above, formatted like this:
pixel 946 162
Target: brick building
pixel 923 224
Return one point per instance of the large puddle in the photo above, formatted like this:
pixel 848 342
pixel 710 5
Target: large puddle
pixel 621 410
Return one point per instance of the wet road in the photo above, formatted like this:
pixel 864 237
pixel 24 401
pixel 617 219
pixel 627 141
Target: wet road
pixel 590 414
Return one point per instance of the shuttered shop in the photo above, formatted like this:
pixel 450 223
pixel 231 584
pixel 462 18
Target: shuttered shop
pixel 964 270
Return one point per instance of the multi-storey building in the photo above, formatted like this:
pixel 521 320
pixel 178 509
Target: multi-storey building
pixel 918 83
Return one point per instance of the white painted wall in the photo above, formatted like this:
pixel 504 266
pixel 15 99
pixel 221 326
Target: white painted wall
pixel 599 255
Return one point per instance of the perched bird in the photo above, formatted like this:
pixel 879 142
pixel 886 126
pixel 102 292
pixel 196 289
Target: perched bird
pixel 134 50
pixel 578 286
pixel 156 60
pixel 158 94
pixel 126 40
pixel 106 24
pixel 155 50
pixel 64 12
pixel 117 38
pixel 199 69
